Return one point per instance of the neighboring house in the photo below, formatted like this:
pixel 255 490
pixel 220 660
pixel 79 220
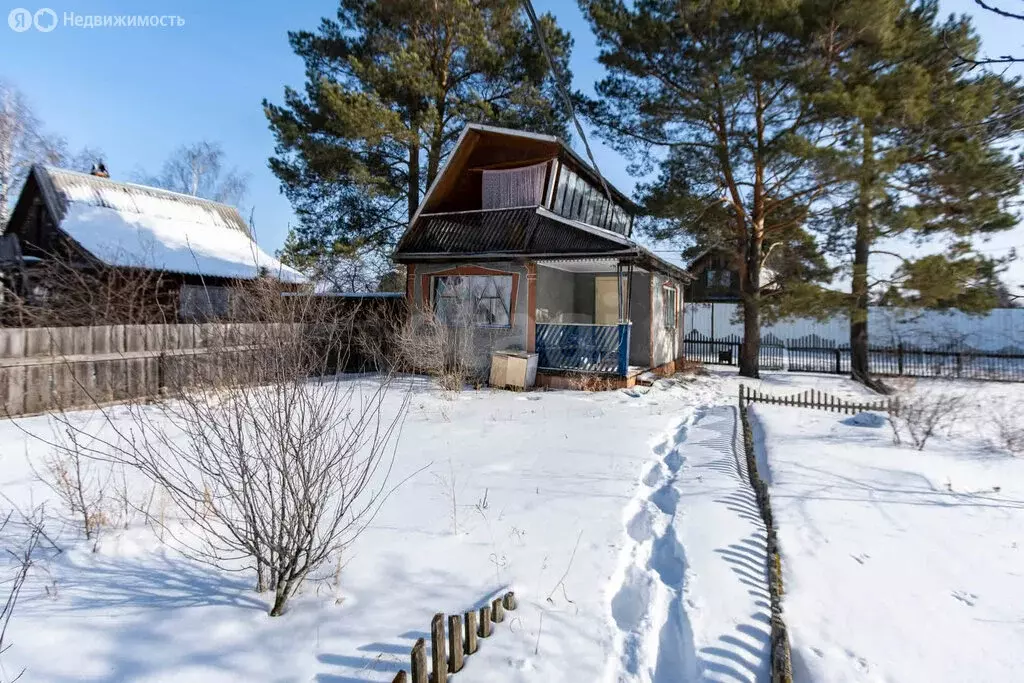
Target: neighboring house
pixel 197 249
pixel 517 230
pixel 716 279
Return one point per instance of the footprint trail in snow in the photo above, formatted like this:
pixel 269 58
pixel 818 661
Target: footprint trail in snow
pixel 690 599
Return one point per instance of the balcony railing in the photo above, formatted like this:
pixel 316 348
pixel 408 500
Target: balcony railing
pixel 585 348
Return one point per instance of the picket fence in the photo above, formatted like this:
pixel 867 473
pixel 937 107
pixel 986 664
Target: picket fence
pixel 813 398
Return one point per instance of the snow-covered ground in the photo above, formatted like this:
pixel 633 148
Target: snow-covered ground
pixel 900 565
pixel 623 522
pixel 551 489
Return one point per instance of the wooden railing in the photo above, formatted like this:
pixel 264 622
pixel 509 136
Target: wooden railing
pixel 584 348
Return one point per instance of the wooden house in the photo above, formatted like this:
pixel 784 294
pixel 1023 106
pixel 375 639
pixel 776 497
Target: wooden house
pixel 519 236
pixel 191 250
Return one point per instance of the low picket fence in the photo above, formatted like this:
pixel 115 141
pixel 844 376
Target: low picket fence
pixel 813 398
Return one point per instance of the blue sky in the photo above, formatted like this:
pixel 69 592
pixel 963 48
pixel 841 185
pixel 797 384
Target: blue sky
pixel 138 93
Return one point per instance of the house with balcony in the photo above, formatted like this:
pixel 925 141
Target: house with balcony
pixel 518 236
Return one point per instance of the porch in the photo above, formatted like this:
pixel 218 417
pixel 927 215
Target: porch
pixel 584 313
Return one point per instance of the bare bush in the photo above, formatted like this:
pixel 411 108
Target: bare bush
pixel 1009 429
pixel 79 483
pixel 919 414
pixel 276 464
pixel 446 352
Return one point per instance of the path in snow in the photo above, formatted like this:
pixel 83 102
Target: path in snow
pixel 690 600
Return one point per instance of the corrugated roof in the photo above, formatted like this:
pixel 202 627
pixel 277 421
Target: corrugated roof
pixel 516 231
pixel 123 224
pixel 66 187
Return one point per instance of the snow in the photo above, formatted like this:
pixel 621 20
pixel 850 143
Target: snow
pixel 559 471
pixel 899 564
pixel 137 230
pixel 624 523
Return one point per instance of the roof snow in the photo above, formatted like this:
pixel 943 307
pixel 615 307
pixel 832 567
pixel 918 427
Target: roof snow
pixel 143 227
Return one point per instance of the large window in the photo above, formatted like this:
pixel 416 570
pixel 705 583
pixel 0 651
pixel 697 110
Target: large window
pixel 577 199
pixel 668 302
pixel 479 300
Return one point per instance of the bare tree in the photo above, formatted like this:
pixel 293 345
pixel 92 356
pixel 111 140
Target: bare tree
pixel 199 169
pixel 23 142
pixel 276 464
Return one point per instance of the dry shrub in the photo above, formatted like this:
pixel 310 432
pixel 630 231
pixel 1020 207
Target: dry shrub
pixel 1009 429
pixel 277 465
pixel 448 353
pixel 589 381
pixel 80 484
pixel 918 414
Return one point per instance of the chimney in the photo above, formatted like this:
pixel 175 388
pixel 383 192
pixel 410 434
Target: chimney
pixel 99 170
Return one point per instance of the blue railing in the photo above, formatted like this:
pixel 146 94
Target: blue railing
pixel 587 348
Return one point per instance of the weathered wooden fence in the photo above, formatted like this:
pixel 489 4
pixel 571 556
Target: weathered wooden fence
pixel 53 368
pixel 813 398
pixel 464 632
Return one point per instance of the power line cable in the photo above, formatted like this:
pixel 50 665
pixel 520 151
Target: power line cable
pixel 528 6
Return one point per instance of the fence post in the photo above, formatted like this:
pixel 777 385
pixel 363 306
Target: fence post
pixel 497 611
pixel 741 396
pixel 454 643
pixel 899 358
pixel 959 363
pixel 509 600
pixel 419 662
pixel 624 349
pixel 839 367
pixel 440 664
pixel 470 632
pixel 485 621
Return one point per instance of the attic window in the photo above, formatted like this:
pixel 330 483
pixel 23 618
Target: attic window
pixel 514 187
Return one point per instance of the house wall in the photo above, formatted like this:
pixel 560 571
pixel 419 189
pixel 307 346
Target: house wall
pixel 556 297
pixel 666 343
pixel 486 340
pixel 584 298
pixel 698 290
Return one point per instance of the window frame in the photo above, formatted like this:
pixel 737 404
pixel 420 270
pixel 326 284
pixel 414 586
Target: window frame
pixel 672 289
pixel 508 306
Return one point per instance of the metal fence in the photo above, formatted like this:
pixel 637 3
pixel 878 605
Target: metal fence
pixel 897 361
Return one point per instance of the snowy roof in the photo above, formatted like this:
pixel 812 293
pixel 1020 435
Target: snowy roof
pixel 129 225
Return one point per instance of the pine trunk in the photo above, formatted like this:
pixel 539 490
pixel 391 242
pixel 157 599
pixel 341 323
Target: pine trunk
pixel 861 250
pixel 750 295
pixel 414 179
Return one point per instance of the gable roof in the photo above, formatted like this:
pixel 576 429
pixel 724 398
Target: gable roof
pixel 136 226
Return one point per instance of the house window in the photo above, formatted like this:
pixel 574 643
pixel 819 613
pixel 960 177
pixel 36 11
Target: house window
pixel 718 278
pixel 668 303
pixel 479 300
pixel 198 303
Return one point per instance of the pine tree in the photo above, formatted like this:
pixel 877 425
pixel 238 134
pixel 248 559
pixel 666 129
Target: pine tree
pixel 389 86
pixel 920 153
pixel 710 93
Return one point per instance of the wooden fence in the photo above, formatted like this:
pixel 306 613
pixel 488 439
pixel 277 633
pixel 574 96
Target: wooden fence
pixel 812 398
pixel 463 634
pixel 53 368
